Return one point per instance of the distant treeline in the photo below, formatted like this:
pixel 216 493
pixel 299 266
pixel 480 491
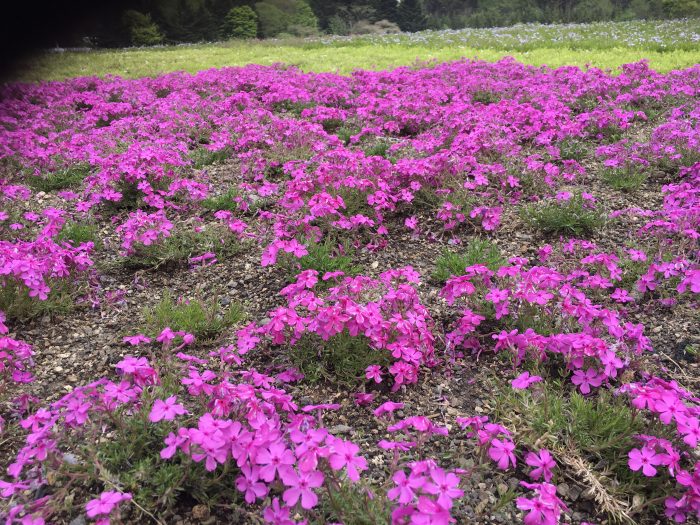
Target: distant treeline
pixel 150 22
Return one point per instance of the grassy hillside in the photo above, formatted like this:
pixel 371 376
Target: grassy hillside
pixel 667 46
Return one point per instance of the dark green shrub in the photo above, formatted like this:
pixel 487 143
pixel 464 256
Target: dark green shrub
pixel 77 233
pixel 222 202
pixel 303 21
pixel 59 180
pixel 16 303
pixel 203 319
pixel 337 25
pixel 184 244
pixel 478 251
pixel 588 11
pixel 293 17
pixel 142 30
pixel 569 217
pixel 411 17
pixel 342 359
pixel 590 435
pixel 681 8
pixel 203 157
pixel 241 22
pixel 273 20
pixel 330 256
pixel 627 179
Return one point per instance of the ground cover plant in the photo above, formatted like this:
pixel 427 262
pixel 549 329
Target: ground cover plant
pixel 465 292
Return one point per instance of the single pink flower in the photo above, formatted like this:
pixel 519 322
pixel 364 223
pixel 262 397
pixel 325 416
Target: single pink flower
pixel 387 408
pixel 374 372
pixel 405 487
pixel 543 463
pixel 445 486
pixel 524 381
pixel 344 454
pixel 251 486
pixel 301 486
pixel 277 458
pixel 585 380
pixel 106 503
pixel 502 453
pixel 137 339
pixel 644 459
pixel 168 410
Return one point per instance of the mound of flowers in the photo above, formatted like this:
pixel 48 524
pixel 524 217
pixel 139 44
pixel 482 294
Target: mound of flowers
pixel 318 171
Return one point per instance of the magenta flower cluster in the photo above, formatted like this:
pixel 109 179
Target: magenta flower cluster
pixel 299 182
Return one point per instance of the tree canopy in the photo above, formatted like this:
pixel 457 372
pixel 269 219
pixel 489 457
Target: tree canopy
pixel 145 22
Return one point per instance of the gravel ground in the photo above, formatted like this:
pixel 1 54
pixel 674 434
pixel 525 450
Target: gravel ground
pixel 81 346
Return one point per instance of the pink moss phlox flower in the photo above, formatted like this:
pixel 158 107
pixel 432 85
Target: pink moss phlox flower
pixel 543 464
pixel 387 408
pixel 445 485
pixel 276 459
pixel 501 451
pixel 363 399
pixel 586 380
pixel 301 487
pixel 135 340
pixel 106 503
pixel 645 459
pixel 166 410
pixel 374 372
pixel 406 486
pixel 524 380
pixel 344 455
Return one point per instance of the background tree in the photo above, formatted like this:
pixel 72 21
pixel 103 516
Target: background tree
pixel 386 10
pixel 142 30
pixel 411 17
pixel 286 16
pixel 148 22
pixel 303 21
pixel 593 11
pixel 241 22
pixel 272 20
pixel 681 8
pixel 185 20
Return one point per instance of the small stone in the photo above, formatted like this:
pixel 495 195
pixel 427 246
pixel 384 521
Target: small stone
pixel 374 265
pixel 637 500
pixel 69 458
pixel 58 369
pixel 340 429
pixel 80 520
pixel 200 512
pixel 574 492
pixel 502 488
pixel 563 490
